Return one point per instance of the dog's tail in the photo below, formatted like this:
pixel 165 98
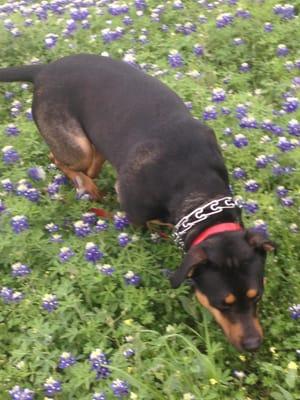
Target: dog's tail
pixel 26 73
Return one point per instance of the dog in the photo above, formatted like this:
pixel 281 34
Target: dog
pixel 90 109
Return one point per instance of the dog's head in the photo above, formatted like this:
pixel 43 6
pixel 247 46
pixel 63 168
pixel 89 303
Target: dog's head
pixel 227 271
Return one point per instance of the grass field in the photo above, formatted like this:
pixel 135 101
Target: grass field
pixel 99 321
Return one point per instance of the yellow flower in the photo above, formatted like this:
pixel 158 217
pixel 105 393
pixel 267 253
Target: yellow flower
pixel 242 357
pixel 292 365
pixel 133 396
pixel 213 381
pixel 128 322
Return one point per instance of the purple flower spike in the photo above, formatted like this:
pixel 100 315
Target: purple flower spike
pixel 18 270
pixel 218 95
pixel 10 155
pixel 239 173
pixel 175 59
pixel 120 220
pixel 244 67
pixel 294 127
pixel 65 254
pixel 123 239
pixel 120 388
pixel 131 278
pixel 198 50
pixel 251 186
pixel 291 104
pixel 52 387
pixel 7 185
pixel 36 173
pixel 99 396
pixel 105 269
pixel 128 353
pixel 224 20
pixel 101 225
pixel 81 228
pixel 210 113
pixel 240 141
pixel 17 393
pixel 295 311
pixel 19 223
pixel 92 252
pixel 50 302
pixel 12 130
pixel 261 227
pixel 282 50
pixel 99 363
pixel 66 360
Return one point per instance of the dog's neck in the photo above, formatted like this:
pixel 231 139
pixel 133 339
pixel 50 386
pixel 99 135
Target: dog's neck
pixel 196 200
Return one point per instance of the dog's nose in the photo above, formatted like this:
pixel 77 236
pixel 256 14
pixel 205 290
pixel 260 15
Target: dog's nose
pixel 251 343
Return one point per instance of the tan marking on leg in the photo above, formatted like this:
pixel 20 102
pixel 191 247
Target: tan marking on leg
pixel 97 162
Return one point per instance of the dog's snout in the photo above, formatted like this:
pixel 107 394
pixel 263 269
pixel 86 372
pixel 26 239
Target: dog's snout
pixel 251 343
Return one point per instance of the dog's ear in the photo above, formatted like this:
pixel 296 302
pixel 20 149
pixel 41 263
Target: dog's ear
pixel 192 259
pixel 259 242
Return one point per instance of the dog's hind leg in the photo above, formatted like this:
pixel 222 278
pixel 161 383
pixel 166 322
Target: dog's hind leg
pixel 71 150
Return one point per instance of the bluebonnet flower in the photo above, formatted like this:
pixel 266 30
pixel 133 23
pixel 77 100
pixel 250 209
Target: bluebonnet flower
pixel 28 22
pixel 251 186
pixel 9 296
pixel 105 269
pixel 65 254
pixel 85 24
pixel 285 144
pixel 260 226
pixel 19 223
pixel 81 228
pixel 92 252
pixel 294 127
pixel 239 173
pixel 50 302
pixel 10 155
pixel 32 194
pixel 123 239
pixel 12 130
pixel 241 111
pixel 36 173
pixel 110 35
pixel 287 201
pixel 238 41
pixel 66 360
pixel 60 179
pixel 53 189
pixel 7 185
pixel 79 14
pixel 175 59
pixel 286 11
pixel 240 141
pixel 128 353
pixel 189 105
pixel 2 206
pixel 51 227
pixel 245 14
pixel 251 206
pixel 248 122
pixel 89 218
pixel 268 27
pixel 223 20
pixel 52 387
pixel 282 50
pixel 99 396
pixel 210 113
pixel 297 63
pixel 281 191
pixel 50 40
pixel 101 225
pixel 291 104
pixel 296 82
pixel 225 111
pixel 18 270
pixel 120 220
pixel 295 311
pixel 99 363
pixel 198 50
pixel 289 66
pixel 28 114
pixel 120 388
pixel 127 20
pixel 8 95
pixel 218 95
pixel 131 278
pixel 244 67
pixel 178 5
pixel 140 4
pixel 41 13
pixel 118 8
pixel 262 161
pixel 17 393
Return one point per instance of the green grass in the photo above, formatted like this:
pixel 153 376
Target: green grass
pixel 179 350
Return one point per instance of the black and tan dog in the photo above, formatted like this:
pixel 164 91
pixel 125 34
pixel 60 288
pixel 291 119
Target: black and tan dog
pixel 90 109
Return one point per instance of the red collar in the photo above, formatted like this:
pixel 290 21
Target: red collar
pixel 213 230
